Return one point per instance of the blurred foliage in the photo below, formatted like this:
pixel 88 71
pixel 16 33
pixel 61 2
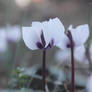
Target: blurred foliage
pixel 56 79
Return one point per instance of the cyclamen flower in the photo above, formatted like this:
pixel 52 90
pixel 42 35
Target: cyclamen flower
pixel 89 84
pixel 13 33
pixel 3 41
pixel 79 35
pixel 9 33
pixel 43 35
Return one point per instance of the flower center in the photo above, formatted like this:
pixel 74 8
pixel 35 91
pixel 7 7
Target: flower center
pixel 51 43
pixel 41 44
pixel 68 45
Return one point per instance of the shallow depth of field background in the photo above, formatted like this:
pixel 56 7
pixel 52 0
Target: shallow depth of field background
pixel 74 12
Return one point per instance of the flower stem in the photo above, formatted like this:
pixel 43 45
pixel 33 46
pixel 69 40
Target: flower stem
pixel 72 62
pixel 44 70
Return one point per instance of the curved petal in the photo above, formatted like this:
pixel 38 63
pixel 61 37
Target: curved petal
pixel 64 55
pixel 46 32
pixel 56 30
pixel 80 34
pixel 38 26
pixel 84 31
pixel 42 27
pixel 63 44
pixel 30 37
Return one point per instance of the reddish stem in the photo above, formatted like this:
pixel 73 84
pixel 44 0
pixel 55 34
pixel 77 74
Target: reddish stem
pixel 44 70
pixel 72 62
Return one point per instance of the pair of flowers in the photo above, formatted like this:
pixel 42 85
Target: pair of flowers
pixel 52 33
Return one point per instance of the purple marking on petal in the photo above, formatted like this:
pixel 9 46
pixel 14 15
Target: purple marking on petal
pixel 39 45
pixel 68 45
pixel 50 45
pixel 42 39
pixel 52 42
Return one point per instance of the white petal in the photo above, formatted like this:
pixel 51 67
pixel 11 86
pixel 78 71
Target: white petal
pixel 56 30
pixel 38 26
pixel 42 27
pixel 13 33
pixel 80 34
pixel 30 37
pixel 84 31
pixel 57 24
pixel 80 53
pixel 63 43
pixel 46 32
pixel 64 55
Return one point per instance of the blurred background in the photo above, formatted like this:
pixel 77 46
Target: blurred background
pixel 15 13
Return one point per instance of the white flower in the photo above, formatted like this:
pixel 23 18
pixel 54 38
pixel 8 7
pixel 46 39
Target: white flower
pixel 3 41
pixel 13 33
pixel 43 34
pixel 8 33
pixel 79 35
pixel 89 84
